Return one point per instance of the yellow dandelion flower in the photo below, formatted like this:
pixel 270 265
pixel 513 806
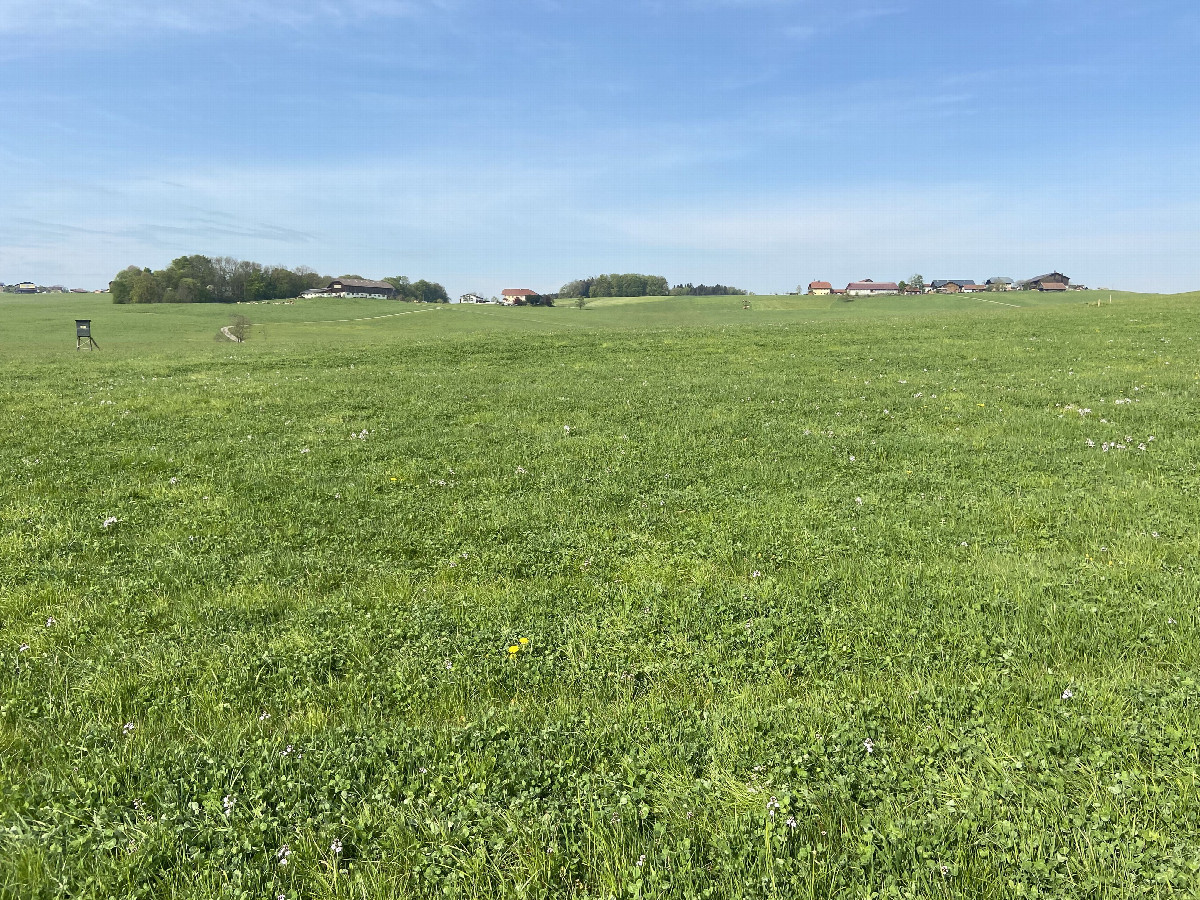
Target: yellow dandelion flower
pixel 523 641
pixel 514 649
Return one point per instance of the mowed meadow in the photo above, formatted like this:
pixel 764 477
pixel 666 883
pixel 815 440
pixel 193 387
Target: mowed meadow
pixel 893 598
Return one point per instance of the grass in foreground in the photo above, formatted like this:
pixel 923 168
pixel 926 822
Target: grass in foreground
pixel 869 605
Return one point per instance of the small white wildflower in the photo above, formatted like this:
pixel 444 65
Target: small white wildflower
pixel 1067 694
pixel 1154 534
pixel 229 802
pixel 858 500
pixel 109 522
pixel 791 823
pixel 336 847
pixel 869 745
pixel 1091 443
pixel 172 480
pixel 641 860
pixel 945 869
pixel 51 621
pixel 851 459
pixel 282 854
pixel 264 716
pixel 449 666
pixel 22 648
pixel 304 450
pixel 1170 621
pixel 756 574
pixel 128 729
pixel 566 429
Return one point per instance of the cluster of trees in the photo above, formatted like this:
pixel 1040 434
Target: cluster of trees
pixel 706 290
pixel 633 285
pixel 630 285
pixel 204 279
pixel 421 291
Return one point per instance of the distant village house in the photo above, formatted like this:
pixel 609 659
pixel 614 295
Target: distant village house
pixel 869 288
pixel 516 296
pixel 820 288
pixel 951 285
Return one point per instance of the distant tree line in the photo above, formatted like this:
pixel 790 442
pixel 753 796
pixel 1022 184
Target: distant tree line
pixel 630 285
pixel 705 290
pixel 421 291
pixel 633 285
pixel 204 279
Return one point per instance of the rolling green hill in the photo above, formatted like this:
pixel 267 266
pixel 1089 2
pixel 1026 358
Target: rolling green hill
pixel 657 598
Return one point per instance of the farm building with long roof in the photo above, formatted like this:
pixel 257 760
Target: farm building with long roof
pixel 353 287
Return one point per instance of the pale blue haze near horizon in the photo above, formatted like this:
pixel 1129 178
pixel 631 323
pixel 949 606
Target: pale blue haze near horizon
pixel 759 143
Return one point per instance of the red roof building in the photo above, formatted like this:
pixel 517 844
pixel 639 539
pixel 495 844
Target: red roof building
pixel 820 287
pixel 516 296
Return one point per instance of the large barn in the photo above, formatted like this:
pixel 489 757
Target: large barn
pixel 869 288
pixel 1039 283
pixel 353 287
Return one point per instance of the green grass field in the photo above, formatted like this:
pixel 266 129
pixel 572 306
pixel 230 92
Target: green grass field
pixel 657 598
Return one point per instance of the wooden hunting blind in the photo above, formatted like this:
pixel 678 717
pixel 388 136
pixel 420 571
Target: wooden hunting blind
pixel 83 335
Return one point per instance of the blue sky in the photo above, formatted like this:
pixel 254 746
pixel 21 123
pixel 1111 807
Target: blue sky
pixel 760 143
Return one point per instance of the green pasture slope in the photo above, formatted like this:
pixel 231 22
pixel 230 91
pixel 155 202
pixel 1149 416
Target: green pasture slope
pixel 668 598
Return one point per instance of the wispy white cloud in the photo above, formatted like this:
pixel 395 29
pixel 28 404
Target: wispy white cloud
pixel 479 228
pixel 889 231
